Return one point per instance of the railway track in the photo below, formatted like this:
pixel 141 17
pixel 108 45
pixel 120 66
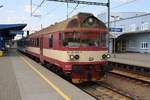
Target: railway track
pixel 135 85
pixel 137 78
pixel 102 91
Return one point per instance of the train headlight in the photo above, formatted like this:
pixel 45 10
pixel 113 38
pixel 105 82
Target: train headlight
pixel 108 55
pixel 90 20
pixel 105 56
pixel 76 57
pixel 71 57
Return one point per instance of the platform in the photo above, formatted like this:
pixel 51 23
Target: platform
pixel 23 79
pixel 137 59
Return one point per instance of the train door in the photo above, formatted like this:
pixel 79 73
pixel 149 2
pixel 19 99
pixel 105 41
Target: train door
pixel 41 48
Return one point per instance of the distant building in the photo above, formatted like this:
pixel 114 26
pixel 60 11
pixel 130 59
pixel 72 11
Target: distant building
pixel 135 35
pixel 122 15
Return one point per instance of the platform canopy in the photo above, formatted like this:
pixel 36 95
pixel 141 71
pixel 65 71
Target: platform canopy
pixel 9 31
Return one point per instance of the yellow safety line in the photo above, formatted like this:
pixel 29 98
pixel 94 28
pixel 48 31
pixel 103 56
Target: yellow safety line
pixel 48 81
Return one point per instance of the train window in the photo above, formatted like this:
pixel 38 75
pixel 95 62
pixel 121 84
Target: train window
pixel 30 42
pixel 33 42
pixel 71 39
pixel 90 39
pixel 37 40
pixel 50 40
pixel 93 39
pixel 60 38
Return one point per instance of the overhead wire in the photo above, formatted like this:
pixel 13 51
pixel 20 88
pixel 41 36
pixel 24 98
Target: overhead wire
pixel 128 2
pixel 67 9
pixel 38 6
pixel 120 5
pixel 53 9
pixel 77 7
pixel 73 9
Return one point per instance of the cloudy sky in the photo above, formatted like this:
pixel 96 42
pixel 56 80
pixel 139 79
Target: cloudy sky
pixel 18 11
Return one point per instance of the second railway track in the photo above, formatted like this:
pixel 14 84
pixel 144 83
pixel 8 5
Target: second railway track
pixel 102 91
pixel 138 78
pixel 106 91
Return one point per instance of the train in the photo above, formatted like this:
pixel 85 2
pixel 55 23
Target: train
pixel 77 46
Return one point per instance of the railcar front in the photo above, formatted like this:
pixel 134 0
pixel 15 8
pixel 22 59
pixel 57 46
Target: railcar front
pixel 82 53
pixel 86 53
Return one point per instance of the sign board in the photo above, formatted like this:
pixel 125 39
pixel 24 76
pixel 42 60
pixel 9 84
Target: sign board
pixel 115 29
pixel 16 32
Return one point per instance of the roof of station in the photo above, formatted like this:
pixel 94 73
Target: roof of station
pixel 4 27
pixel 5 30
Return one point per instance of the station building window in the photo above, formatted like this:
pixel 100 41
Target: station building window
pixel 144 45
pixel 132 27
pixel 144 26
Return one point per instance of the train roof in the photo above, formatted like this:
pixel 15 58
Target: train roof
pixel 81 20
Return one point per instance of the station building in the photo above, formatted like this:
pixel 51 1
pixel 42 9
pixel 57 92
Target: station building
pixel 7 33
pixel 134 35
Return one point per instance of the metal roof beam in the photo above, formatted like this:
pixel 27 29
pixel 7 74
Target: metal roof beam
pixel 81 2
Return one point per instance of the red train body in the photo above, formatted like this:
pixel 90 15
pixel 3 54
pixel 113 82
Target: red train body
pixel 77 46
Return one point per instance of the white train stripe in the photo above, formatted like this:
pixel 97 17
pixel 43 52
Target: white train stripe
pixel 64 55
pixel 34 49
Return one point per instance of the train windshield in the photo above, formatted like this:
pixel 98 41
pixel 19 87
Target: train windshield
pixel 71 39
pixel 93 39
pixel 85 39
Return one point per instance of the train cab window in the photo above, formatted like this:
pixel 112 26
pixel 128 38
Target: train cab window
pixel 51 41
pixel 71 39
pixel 93 39
pixel 90 39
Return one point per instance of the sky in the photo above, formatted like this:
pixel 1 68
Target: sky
pixel 18 11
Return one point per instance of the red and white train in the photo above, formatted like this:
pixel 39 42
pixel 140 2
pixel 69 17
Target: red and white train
pixel 77 46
